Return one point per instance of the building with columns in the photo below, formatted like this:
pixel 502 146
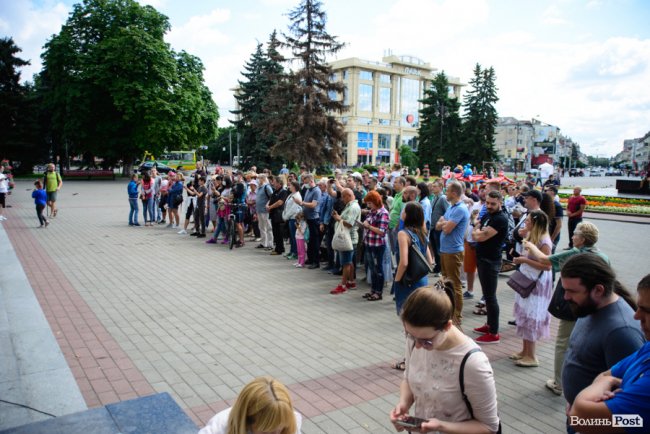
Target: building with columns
pixel 383 105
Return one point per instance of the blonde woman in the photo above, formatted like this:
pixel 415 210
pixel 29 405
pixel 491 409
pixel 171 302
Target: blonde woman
pixel 531 313
pixel 262 407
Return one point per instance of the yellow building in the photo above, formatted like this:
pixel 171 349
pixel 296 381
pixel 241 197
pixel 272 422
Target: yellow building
pixel 383 107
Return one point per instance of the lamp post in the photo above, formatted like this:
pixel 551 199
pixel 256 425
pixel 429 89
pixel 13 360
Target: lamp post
pixel 442 112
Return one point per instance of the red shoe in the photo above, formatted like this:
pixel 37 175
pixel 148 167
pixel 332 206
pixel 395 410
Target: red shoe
pixel 351 285
pixel 482 330
pixel 338 290
pixel 488 338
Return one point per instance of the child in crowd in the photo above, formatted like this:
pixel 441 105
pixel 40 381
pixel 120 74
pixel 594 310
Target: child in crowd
pixel 301 228
pixel 40 199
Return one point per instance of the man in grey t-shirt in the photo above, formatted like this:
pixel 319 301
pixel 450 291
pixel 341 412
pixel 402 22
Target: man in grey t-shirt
pixel 606 330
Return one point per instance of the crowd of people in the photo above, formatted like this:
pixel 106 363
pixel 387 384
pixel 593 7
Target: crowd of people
pixel 468 233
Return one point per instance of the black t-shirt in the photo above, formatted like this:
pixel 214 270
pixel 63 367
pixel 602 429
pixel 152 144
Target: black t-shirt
pixel 559 213
pixel 204 192
pixel 491 248
pixel 276 213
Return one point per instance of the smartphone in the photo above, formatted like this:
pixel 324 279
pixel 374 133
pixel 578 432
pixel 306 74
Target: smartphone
pixel 411 422
pixel 514 253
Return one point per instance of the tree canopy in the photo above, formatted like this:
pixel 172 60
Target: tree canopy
pixel 115 88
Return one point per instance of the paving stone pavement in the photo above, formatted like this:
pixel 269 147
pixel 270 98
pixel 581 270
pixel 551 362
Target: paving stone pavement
pixel 140 310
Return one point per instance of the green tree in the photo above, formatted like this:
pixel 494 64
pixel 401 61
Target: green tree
pixel 304 102
pixel 480 120
pixel 262 72
pixel 439 128
pixel 116 89
pixel 407 157
pixel 21 140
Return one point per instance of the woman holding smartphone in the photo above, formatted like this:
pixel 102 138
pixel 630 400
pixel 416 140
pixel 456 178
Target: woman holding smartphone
pixel 435 351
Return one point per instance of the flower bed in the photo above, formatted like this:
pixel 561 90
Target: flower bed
pixel 616 205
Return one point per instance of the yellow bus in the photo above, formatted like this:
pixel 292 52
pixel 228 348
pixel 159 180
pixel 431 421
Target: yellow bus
pixel 177 160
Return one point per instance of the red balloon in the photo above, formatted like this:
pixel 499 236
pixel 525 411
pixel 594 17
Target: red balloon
pixel 409 118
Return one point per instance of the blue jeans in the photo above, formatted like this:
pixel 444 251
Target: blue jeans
pixel 375 264
pixel 221 226
pixel 292 237
pixel 133 213
pixel 156 208
pixel 147 210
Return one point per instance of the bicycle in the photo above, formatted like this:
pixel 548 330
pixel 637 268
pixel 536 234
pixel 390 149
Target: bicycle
pixel 231 228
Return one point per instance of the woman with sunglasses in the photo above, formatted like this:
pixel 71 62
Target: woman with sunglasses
pixel 435 350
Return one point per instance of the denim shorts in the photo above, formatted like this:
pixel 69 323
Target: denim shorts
pixel 346 257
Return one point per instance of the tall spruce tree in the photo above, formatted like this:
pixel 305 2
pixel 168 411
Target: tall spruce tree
pixel 480 118
pixel 439 125
pixel 305 101
pixel 250 99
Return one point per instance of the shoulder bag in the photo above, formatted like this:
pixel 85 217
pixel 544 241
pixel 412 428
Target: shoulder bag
pixel 418 265
pixel 559 307
pixel 341 241
pixel 461 380
pixel 522 284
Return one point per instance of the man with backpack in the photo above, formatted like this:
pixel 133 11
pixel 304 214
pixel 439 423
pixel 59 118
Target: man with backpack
pixel 52 182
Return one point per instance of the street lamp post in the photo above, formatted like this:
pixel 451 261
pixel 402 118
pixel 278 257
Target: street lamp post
pixel 442 112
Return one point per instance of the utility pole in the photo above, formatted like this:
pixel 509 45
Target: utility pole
pixel 230 143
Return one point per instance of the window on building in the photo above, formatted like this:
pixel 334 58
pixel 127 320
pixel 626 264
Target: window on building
pixel 383 121
pixel 346 97
pixel 334 77
pixel 364 121
pixel 365 97
pixel 383 141
pixel 384 78
pixel 365 75
pixel 346 74
pixel 410 104
pixel 384 100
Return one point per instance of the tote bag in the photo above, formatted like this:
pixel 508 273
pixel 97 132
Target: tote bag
pixel 341 241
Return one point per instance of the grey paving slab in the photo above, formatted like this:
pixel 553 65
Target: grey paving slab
pixel 199 321
pixel 33 371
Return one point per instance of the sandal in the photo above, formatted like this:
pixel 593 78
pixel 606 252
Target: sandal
pixel 400 366
pixel 479 311
pixel 375 296
pixel 367 295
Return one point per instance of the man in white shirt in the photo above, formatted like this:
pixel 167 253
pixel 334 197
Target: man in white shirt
pixel 4 189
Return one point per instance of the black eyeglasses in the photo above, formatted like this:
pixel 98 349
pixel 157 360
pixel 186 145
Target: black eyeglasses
pixel 428 343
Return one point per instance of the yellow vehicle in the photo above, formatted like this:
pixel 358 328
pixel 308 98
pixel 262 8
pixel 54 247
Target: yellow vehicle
pixel 177 160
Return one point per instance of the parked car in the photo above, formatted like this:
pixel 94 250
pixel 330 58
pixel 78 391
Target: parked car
pixel 614 172
pixel 576 172
pixel 148 165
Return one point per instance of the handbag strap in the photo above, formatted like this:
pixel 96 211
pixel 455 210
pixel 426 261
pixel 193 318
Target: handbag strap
pixel 461 379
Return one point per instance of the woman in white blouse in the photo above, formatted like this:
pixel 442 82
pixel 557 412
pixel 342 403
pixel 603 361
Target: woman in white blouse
pixel 262 407
pixel 435 349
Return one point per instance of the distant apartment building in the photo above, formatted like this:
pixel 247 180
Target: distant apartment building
pixel 636 153
pixel 523 144
pixel 383 105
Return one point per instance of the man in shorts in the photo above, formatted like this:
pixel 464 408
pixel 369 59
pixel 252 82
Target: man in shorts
pixel 52 181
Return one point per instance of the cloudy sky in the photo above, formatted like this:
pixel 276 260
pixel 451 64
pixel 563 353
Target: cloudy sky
pixel 583 65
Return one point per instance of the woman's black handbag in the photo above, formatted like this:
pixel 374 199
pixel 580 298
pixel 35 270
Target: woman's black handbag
pixel 418 266
pixel 559 307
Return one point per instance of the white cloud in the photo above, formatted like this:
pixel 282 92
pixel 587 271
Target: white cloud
pixel 201 31
pixel 30 27
pixel 553 16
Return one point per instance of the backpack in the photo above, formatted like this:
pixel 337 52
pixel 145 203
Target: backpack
pixel 511 226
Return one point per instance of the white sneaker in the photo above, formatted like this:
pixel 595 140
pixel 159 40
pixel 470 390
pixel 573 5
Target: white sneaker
pixel 3 217
pixel 298 265
pixel 174 226
pixel 182 232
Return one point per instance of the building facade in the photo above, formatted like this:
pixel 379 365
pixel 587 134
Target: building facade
pixel 635 154
pixel 383 105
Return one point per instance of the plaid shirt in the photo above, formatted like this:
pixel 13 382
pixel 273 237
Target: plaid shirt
pixel 379 219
